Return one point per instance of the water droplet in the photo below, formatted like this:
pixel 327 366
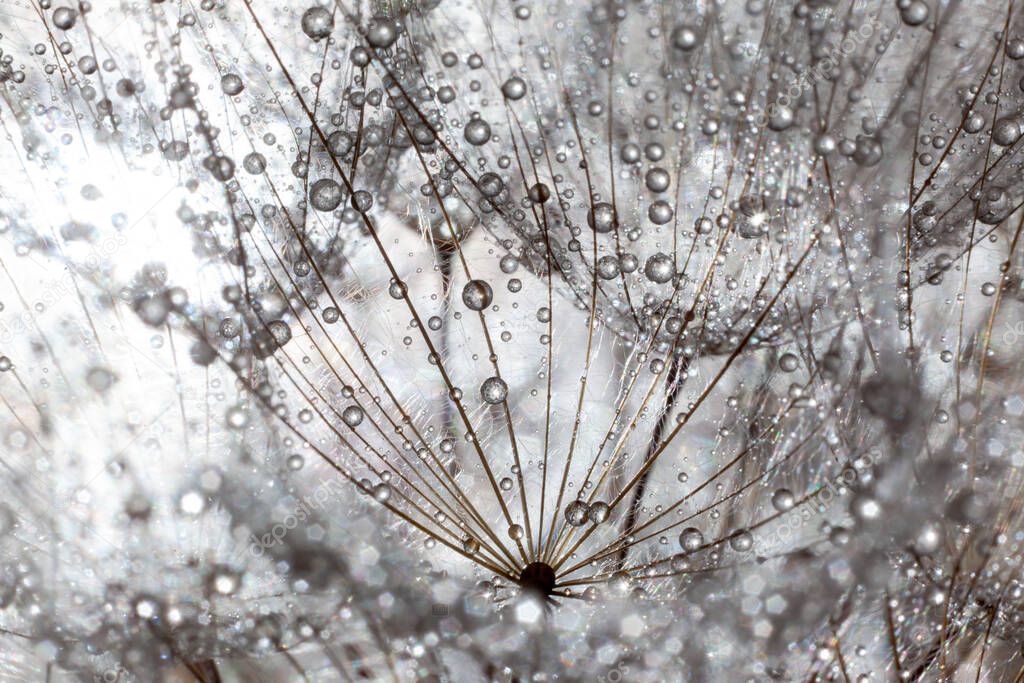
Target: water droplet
pixel 231 84
pixel 514 88
pixel 783 500
pixel 381 492
pixel 598 512
pixel 477 295
pixel 493 390
pixel 477 132
pixel 64 18
pixel 601 218
pixel 659 268
pixel 317 23
pixel 382 32
pixel 685 37
pixel 788 362
pixel 691 539
pixel 325 195
pixel 576 513
pixel 352 416
pixel 741 541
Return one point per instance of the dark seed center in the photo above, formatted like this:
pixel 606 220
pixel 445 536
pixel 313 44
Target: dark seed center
pixel 538 577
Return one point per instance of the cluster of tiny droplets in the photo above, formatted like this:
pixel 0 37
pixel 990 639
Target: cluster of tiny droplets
pixel 538 341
